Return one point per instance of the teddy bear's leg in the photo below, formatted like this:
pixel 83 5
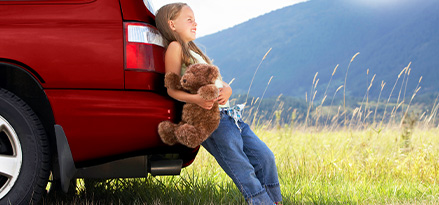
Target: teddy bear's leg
pixel 166 132
pixel 190 136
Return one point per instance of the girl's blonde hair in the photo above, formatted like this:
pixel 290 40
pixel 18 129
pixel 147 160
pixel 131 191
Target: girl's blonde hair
pixel 170 12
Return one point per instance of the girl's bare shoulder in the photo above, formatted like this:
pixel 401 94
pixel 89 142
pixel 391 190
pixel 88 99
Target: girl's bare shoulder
pixel 173 57
pixel 174 46
pixel 174 50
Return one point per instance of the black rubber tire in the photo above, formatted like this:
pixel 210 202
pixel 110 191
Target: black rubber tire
pixel 31 181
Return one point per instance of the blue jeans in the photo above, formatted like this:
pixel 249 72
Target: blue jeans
pixel 246 159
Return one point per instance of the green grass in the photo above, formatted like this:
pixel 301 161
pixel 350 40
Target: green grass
pixel 337 167
pixel 357 167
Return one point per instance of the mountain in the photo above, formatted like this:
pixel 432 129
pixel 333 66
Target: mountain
pixel 317 35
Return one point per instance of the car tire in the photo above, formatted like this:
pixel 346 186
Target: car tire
pixel 24 152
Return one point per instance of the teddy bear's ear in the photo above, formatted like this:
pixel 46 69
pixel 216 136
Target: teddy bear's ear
pixel 213 72
pixel 172 81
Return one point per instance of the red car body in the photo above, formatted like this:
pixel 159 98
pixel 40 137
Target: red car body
pixel 71 61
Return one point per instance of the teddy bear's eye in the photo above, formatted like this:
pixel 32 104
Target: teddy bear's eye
pixel 184 80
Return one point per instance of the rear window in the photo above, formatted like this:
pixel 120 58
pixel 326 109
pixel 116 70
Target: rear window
pixel 149 6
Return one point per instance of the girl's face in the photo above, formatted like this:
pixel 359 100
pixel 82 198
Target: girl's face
pixel 185 24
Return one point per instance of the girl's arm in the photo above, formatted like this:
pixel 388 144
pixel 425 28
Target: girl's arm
pixel 173 64
pixel 224 94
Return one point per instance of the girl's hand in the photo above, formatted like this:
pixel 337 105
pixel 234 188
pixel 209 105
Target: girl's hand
pixel 224 94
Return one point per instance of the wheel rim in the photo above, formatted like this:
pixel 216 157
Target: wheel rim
pixel 10 157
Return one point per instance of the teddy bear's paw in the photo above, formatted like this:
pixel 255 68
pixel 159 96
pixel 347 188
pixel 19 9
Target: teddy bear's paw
pixel 166 132
pixel 172 80
pixel 209 92
pixel 189 136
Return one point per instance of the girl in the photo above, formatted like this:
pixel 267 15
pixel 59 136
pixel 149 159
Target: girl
pixel 239 152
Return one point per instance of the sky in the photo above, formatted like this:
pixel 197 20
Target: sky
pixel 214 16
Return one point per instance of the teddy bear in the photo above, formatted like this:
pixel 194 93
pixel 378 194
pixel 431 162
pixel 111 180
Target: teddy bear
pixel 196 123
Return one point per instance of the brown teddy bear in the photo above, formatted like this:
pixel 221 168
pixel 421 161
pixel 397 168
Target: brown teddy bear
pixel 196 123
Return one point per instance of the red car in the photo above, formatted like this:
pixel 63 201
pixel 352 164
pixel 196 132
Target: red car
pixel 81 95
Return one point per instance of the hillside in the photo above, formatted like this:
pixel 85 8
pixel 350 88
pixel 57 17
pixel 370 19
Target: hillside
pixel 316 35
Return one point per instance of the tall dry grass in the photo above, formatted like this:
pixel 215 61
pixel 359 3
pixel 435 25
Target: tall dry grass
pixel 369 113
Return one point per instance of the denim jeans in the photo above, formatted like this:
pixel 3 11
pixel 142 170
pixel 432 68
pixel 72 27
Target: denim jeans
pixel 246 159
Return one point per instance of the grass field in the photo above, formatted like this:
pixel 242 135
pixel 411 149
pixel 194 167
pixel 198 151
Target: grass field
pixel 327 155
pixel 318 167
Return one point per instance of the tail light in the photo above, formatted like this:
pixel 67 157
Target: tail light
pixel 144 49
